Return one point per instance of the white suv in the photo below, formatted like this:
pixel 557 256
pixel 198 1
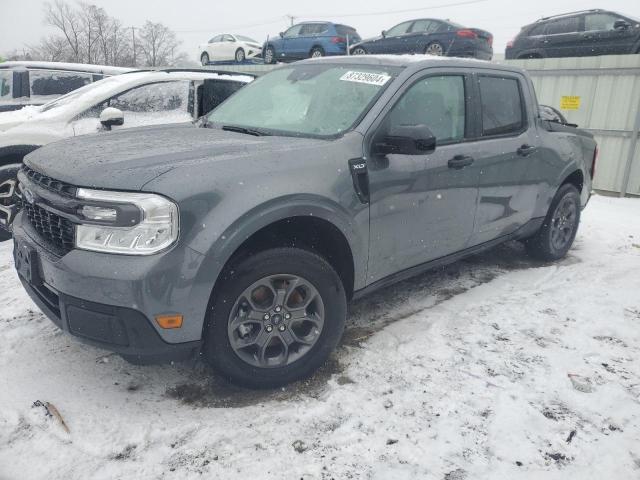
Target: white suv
pixel 129 100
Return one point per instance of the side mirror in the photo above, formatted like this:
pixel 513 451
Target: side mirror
pixel 620 25
pixel 406 140
pixel 111 117
pixel 281 34
pixel 384 33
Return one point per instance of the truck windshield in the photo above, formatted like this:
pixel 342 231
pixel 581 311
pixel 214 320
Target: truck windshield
pixel 6 79
pixel 320 100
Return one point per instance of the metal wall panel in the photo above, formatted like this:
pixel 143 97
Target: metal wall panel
pixel 609 91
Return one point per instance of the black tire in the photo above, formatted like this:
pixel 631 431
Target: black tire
pixel 204 59
pixel 240 55
pixel 542 245
pixel 270 55
pixel 316 52
pixel 8 198
pixel 317 271
pixel 359 51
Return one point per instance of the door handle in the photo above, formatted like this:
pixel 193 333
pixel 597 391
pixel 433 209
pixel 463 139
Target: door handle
pixel 460 161
pixel 525 150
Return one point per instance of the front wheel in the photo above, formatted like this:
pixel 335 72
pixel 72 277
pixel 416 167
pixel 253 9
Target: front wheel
pixel 555 237
pixel 359 51
pixel 269 55
pixel 275 318
pixel 8 198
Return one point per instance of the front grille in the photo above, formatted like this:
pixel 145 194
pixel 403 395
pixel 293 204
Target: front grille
pixel 49 183
pixel 54 229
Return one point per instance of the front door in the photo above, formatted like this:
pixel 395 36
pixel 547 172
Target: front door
pixel 422 207
pixel 601 38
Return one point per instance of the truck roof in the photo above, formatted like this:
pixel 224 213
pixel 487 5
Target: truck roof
pixel 413 62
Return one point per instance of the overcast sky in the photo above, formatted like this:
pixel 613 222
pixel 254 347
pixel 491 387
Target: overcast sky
pixel 195 21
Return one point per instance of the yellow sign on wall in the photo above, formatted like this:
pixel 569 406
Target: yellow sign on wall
pixel 569 102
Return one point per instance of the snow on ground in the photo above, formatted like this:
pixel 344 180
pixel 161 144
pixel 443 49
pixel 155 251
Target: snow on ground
pixel 462 373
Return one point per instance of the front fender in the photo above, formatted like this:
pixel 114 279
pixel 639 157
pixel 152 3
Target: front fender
pixel 224 244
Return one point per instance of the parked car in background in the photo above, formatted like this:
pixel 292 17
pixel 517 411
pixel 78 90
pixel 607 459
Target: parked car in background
pixel 244 239
pixel 130 100
pixel 577 34
pixel 432 37
pixel 36 83
pixel 309 39
pixel 229 48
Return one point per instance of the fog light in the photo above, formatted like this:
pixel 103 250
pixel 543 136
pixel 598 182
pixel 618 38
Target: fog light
pixel 169 321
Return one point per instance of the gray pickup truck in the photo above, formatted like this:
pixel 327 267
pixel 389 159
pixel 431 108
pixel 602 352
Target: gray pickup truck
pixel 243 237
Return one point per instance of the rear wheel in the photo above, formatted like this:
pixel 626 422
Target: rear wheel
pixel 316 52
pixel 434 48
pixel 204 59
pixel 275 318
pixel 240 56
pixel 269 55
pixel 8 198
pixel 555 237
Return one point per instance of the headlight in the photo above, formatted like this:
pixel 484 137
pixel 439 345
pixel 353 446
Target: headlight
pixel 126 223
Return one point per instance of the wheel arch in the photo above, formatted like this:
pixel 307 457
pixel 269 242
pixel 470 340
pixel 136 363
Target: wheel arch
pixel 306 221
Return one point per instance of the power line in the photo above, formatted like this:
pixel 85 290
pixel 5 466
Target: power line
pixel 391 12
pixel 233 27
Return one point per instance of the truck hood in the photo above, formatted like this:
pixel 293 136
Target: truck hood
pixel 129 159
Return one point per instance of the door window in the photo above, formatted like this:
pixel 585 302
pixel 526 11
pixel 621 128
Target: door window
pixel 227 38
pixel 502 110
pixel 399 29
pixel 151 104
pixel 438 103
pixel 425 26
pixel 216 39
pixel 6 82
pixel 47 82
pixel 599 21
pixel 563 25
pixel 293 31
pixel 313 29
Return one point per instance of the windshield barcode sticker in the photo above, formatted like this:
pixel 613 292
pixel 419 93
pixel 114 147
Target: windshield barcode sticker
pixel 366 77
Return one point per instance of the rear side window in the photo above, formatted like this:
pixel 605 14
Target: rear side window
pixel 502 110
pixel 45 82
pixel 438 103
pixel 313 29
pixel 563 25
pixel 425 26
pixel 6 82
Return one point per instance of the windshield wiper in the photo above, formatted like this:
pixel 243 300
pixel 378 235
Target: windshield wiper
pixel 248 131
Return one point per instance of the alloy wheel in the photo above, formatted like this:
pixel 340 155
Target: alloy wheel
pixel 435 49
pixel 563 223
pixel 359 51
pixel 276 321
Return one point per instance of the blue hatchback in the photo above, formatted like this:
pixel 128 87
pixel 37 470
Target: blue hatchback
pixel 309 39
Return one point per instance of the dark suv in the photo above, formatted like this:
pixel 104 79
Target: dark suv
pixel 244 237
pixel 578 34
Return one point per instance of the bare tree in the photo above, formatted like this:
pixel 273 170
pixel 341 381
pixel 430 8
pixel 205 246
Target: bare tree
pixel 59 14
pixel 158 44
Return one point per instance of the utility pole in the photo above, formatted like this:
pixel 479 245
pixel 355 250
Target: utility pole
pixel 291 18
pixel 133 38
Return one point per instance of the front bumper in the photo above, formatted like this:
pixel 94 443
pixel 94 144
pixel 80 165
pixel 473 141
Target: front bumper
pixel 110 301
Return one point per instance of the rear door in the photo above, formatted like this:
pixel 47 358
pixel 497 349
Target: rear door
pixel 563 37
pixel 601 38
pixel 421 34
pixel 227 48
pixel 422 207
pixel 507 154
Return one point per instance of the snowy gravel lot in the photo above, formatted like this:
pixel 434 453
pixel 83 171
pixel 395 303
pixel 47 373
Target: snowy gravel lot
pixel 495 367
